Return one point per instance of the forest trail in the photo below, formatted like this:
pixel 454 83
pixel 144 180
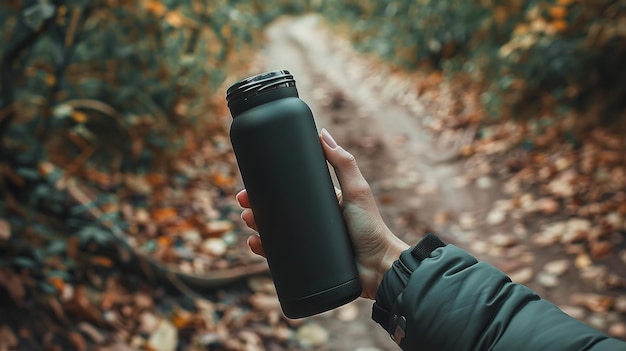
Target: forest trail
pixel 386 139
pixel 400 159
pixel 415 177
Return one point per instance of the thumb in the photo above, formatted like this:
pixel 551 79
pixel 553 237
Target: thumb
pixel 354 187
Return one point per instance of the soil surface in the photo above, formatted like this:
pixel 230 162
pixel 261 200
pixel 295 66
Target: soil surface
pixel 415 176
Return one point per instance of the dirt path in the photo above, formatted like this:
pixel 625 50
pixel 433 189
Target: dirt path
pixel 413 179
pixel 386 137
pixel 387 141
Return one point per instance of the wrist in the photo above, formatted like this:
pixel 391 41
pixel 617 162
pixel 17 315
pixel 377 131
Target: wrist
pixel 392 253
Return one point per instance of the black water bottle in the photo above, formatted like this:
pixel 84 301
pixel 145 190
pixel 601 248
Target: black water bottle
pixel 304 236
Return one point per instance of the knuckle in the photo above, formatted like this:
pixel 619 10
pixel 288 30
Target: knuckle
pixel 361 189
pixel 349 159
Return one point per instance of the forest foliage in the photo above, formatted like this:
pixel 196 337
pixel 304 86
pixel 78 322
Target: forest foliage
pixel 532 52
pixel 99 101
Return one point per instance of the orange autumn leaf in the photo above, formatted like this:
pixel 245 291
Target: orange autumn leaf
pixel 223 180
pixel 45 168
pixel 102 261
pixel 156 7
pixel 164 214
pixel 164 241
pixel 155 179
pixel 227 31
pixel 61 10
pixel 467 150
pixel 79 117
pixel 108 300
pixel 500 14
pixel 557 12
pixel 57 282
pixel 180 227
pixel 435 78
pixel 559 25
pixel 174 19
pixel 50 80
pixel 181 319
pixel 521 29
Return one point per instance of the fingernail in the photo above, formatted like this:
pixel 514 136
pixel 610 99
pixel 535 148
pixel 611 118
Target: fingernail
pixel 328 139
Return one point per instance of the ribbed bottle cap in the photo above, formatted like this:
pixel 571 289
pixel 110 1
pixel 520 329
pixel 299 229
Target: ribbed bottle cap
pixel 259 84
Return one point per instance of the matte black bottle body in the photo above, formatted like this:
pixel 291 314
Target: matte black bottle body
pixel 292 196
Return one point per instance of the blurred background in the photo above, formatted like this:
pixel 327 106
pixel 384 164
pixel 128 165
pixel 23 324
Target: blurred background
pixel 497 124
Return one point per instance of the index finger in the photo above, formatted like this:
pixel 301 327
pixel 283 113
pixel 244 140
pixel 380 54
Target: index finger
pixel 242 198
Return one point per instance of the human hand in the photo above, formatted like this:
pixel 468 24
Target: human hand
pixel 376 247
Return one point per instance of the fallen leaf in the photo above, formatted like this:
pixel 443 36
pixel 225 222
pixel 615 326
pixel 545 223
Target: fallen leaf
pixel 5 230
pixel 81 307
pixel 223 180
pixel 174 19
pixel 551 234
pixel 557 267
pixel 79 116
pixel 217 228
pixel 496 217
pixel 467 221
pixel 593 302
pixel 92 332
pixel 441 218
pixel 148 322
pixel 50 80
pixel 576 229
pixel 13 285
pixel 137 184
pixel 348 312
pixel 618 330
pixel 156 179
pixel 143 301
pixel 164 241
pixel 181 318
pixel 57 282
pixel 522 275
pixel 600 249
pixel 156 7
pixel 547 280
pixel 312 335
pixel 547 206
pixel 582 261
pixel 557 12
pixel 574 311
pixel 8 339
pixel 264 302
pixel 162 215
pixel 78 341
pixel 620 304
pixel 101 261
pixel 503 240
pixel 214 246
pixel 262 284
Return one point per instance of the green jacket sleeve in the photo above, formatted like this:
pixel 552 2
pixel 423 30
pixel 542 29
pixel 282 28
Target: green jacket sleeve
pixel 438 297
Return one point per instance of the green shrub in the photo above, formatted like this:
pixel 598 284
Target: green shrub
pixel 103 89
pixel 522 51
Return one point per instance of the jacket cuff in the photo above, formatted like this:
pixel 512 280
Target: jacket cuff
pixel 389 294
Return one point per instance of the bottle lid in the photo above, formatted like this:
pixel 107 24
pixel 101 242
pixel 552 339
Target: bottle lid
pixel 258 84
